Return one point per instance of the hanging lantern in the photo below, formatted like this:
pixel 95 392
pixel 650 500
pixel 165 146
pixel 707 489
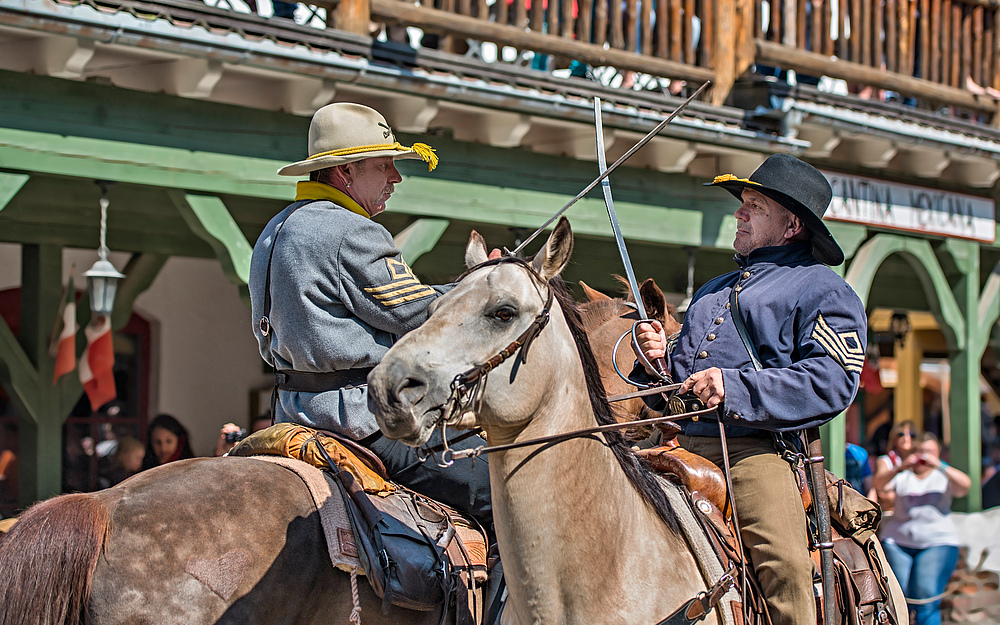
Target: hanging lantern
pixel 899 326
pixel 102 278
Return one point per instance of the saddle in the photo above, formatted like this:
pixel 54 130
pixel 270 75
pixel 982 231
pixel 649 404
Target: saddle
pixel 417 553
pixel 863 590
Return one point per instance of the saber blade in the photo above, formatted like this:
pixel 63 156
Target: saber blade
pixel 635 148
pixel 612 215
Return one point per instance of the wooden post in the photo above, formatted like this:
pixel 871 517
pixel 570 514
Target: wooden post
pixel 907 398
pixel 352 16
pixel 41 419
pixel 733 43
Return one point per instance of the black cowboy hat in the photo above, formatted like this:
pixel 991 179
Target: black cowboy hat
pixel 799 187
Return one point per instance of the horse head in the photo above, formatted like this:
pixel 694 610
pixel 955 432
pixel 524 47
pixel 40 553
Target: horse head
pixel 495 320
pixel 606 320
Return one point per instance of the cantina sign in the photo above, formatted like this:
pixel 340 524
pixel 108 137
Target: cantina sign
pixel 905 207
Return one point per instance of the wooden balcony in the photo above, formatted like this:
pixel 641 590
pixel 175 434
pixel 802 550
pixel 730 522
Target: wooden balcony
pixel 934 54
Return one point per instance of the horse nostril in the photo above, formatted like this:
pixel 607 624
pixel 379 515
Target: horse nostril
pixel 410 390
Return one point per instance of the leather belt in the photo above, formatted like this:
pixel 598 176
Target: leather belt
pixel 320 382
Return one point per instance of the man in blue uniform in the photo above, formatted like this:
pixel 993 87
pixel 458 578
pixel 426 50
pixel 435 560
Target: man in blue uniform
pixel 807 326
pixel 330 293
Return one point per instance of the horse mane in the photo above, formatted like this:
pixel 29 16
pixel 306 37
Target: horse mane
pixel 641 478
pixel 595 313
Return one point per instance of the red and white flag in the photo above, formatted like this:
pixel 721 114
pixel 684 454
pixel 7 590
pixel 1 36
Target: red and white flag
pixel 98 362
pixel 65 351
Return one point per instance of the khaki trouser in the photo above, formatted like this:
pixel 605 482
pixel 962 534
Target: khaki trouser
pixel 772 523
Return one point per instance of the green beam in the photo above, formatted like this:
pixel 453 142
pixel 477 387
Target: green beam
pixel 708 225
pixel 480 203
pixel 919 254
pixel 102 159
pixel 419 238
pixel 18 376
pixel 209 218
pixel 10 184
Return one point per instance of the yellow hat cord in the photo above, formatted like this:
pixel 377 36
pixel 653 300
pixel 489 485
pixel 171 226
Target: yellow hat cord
pixel 732 178
pixel 422 150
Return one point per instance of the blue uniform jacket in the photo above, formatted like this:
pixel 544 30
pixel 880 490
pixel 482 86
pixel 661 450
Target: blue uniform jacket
pixel 809 328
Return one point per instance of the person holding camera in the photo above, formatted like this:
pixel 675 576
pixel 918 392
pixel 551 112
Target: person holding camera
pixel 808 327
pixel 920 539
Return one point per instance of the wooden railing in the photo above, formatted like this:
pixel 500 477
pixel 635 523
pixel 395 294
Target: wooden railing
pixel 937 52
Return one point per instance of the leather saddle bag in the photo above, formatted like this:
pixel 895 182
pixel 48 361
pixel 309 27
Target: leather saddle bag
pixel 864 596
pixel 403 540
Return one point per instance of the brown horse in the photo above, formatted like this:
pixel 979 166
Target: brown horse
pixel 208 540
pixel 585 534
pixel 605 319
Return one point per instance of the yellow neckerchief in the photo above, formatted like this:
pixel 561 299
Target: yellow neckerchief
pixel 311 190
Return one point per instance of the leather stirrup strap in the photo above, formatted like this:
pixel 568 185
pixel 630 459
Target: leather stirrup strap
pixel 698 608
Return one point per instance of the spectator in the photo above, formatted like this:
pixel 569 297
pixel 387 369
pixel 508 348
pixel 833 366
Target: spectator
pixel 126 461
pixel 168 441
pixel 920 539
pixel 858 472
pixel 901 438
pixel 223 445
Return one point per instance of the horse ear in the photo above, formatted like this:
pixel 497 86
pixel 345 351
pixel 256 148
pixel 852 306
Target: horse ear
pixel 653 300
pixel 592 294
pixel 475 251
pixel 554 256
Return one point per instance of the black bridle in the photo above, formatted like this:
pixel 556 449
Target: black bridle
pixel 467 387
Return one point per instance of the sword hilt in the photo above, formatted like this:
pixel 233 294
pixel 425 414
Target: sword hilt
pixel 660 364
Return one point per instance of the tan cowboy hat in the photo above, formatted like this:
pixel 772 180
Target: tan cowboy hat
pixel 344 132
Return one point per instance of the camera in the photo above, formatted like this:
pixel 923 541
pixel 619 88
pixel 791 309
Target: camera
pixel 233 437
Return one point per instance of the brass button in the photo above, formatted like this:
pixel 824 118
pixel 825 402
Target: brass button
pixel 727 305
pixel 702 354
pixel 711 337
pixel 746 274
pixel 737 289
pixel 736 417
pixel 719 320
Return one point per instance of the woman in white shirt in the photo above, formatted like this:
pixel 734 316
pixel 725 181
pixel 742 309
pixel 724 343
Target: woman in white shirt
pixel 920 539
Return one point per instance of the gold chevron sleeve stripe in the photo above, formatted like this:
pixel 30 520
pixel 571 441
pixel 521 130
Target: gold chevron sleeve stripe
pixel 424 292
pixel 850 358
pixel 395 284
pixel 382 297
pixel 841 339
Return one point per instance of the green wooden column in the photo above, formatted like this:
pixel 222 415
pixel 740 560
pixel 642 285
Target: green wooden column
pixel 40 424
pixel 963 400
pixel 834 433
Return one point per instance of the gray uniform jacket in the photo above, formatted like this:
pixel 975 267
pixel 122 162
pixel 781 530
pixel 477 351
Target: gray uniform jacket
pixel 340 294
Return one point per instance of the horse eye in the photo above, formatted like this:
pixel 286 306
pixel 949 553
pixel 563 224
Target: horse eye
pixel 504 313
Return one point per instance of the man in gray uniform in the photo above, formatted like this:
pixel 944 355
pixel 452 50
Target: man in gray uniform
pixel 330 293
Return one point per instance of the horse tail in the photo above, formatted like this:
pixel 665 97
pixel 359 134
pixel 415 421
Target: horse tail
pixel 47 560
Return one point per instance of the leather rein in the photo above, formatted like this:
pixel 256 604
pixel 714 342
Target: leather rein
pixel 467 389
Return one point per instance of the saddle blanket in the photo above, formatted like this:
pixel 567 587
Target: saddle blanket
pixel 332 512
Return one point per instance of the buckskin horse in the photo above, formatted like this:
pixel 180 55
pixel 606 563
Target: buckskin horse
pixel 207 540
pixel 585 534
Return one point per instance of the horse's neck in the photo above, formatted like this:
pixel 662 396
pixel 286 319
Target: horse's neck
pixel 574 533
